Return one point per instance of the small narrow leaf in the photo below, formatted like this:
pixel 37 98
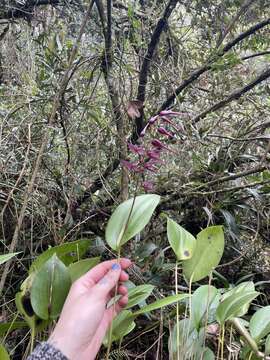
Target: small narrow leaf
pixel 207 254
pixel 231 306
pixel 50 288
pixel 161 303
pixel 267 346
pixel 181 241
pixel 259 324
pixel 129 219
pixel 4 258
pixel 138 294
pixel 122 325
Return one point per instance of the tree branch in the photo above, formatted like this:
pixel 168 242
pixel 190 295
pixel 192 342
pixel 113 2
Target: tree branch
pixel 233 96
pixel 143 76
pixel 195 74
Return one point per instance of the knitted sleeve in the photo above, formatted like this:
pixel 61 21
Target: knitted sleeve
pixel 46 351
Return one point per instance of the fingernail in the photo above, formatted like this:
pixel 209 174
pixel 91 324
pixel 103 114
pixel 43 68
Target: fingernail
pixel 115 267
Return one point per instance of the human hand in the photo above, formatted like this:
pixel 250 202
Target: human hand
pixel 85 317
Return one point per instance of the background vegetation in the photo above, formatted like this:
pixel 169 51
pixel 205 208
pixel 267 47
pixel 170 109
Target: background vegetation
pixel 79 81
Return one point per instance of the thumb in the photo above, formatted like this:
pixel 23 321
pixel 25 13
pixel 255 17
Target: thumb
pixel 108 282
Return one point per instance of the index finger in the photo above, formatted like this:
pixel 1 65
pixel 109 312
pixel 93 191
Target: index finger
pixel 98 272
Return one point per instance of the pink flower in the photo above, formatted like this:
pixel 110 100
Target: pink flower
pixel 136 149
pixel 163 131
pixel 153 154
pixel 158 144
pixel 169 112
pixel 152 120
pixel 150 165
pixel 128 165
pixel 148 185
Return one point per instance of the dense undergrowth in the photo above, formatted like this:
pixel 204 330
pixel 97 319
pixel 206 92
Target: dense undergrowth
pixel 106 101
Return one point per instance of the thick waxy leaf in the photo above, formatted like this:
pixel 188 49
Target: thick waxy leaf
pixel 129 219
pixel 122 325
pixel 3 353
pixel 201 302
pixel 259 324
pixel 50 288
pixel 138 294
pixel 181 241
pixel 233 305
pixel 24 307
pixel 79 268
pixel 267 346
pixel 68 253
pixel 186 340
pixel 4 258
pixel 246 286
pixel 161 303
pixel 207 254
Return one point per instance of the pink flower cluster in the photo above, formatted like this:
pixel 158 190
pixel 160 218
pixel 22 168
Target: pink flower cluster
pixel 148 156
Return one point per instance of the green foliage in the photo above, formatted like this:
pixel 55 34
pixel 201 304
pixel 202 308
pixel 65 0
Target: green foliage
pixel 79 268
pixel 49 289
pixel 6 257
pixel 129 219
pixel 3 353
pixel 207 254
pixel 233 305
pixel 67 253
pixel 259 324
pixel 138 294
pixel 181 241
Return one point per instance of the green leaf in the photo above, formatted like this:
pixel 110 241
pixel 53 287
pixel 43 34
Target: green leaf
pixel 79 268
pixel 3 353
pixel 246 286
pixel 207 254
pixel 188 340
pixel 181 241
pixel 161 303
pixel 24 307
pixel 201 301
pixel 4 258
pixel 207 354
pixel 267 346
pixel 259 324
pixel 122 325
pixel 129 219
pixel 50 288
pixel 10 326
pixel 231 306
pixel 68 253
pixel 138 294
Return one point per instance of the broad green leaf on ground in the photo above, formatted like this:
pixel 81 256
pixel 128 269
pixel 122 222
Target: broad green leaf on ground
pixel 129 219
pixel 207 254
pixel 68 253
pixel 233 305
pixel 4 258
pixel 259 324
pixel 161 303
pixel 3 353
pixel 182 242
pixel 79 268
pixel 138 294
pixel 50 287
pixel 122 325
pixel 201 301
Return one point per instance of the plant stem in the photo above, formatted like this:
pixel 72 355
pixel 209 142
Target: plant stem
pixel 177 311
